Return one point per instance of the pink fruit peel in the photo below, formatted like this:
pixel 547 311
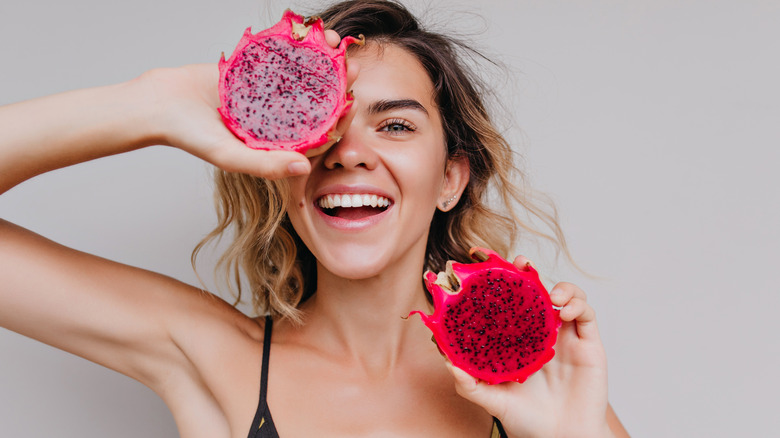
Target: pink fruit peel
pixel 285 88
pixel 491 319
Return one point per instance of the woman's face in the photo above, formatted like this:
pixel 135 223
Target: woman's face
pixel 393 153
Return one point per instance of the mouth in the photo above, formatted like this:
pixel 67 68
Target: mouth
pixel 353 206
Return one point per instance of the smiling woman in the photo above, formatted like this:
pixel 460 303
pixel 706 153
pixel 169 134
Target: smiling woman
pixel 332 248
pixel 404 166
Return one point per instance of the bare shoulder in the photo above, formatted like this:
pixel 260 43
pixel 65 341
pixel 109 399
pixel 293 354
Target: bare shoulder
pixel 215 391
pixel 200 354
pixel 131 320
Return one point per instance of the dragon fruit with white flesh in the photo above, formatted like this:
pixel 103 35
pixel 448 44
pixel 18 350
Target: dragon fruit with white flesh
pixel 491 319
pixel 285 88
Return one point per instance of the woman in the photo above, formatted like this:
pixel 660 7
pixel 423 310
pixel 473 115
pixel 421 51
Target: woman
pixel 336 359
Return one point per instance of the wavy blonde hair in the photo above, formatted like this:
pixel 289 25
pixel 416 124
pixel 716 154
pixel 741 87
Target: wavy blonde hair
pixel 267 253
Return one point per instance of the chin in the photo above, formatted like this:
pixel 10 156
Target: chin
pixel 354 263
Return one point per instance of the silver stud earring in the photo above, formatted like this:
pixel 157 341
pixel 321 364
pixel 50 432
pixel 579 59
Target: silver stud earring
pixel 447 203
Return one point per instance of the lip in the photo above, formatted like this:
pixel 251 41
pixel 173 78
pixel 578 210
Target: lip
pixel 350 224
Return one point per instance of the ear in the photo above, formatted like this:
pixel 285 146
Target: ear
pixel 456 177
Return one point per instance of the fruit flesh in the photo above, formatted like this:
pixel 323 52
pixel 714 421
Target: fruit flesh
pixel 301 79
pixel 285 87
pixel 491 319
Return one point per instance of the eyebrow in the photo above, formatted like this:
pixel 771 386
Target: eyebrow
pixel 381 106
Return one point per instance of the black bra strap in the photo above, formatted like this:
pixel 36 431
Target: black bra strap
pixel 501 431
pixel 262 405
pixel 266 355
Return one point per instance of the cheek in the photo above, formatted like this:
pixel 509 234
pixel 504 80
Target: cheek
pixel 424 173
pixel 297 186
pixel 297 198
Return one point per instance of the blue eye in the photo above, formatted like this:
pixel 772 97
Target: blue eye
pixel 396 126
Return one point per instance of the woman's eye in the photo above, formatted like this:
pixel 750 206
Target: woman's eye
pixel 396 126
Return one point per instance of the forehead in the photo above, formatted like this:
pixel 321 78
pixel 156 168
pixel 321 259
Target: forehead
pixel 388 71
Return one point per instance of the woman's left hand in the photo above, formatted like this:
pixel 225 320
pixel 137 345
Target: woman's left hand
pixel 568 396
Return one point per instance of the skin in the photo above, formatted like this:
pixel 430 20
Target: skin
pixel 355 368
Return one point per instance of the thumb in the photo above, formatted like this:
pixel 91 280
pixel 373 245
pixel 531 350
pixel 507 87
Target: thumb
pixel 476 391
pixel 261 163
pixel 463 381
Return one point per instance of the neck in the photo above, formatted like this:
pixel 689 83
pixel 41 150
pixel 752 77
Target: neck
pixel 364 321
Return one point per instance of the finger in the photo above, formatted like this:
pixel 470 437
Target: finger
pixel 344 122
pixel 522 261
pixel 238 157
pixel 332 38
pixel 578 310
pixel 563 292
pixel 463 380
pixel 475 391
pixel 353 69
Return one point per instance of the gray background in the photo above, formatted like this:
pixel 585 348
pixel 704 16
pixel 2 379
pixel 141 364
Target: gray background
pixel 653 125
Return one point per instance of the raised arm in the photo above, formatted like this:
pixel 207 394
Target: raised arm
pixel 122 317
pixel 175 107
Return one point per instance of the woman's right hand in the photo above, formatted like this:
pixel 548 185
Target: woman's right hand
pixel 169 106
pixel 185 111
pixel 184 114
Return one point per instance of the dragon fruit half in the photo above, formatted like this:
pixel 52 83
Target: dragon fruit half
pixel 285 87
pixel 491 319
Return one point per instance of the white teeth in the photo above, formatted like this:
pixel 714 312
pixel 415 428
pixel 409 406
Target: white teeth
pixel 353 200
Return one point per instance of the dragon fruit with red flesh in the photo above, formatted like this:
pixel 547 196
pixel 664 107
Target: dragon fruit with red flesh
pixel 491 319
pixel 285 88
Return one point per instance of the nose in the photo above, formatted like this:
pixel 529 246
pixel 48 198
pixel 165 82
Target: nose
pixel 352 152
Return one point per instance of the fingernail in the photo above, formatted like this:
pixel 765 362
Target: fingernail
pixel 297 168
